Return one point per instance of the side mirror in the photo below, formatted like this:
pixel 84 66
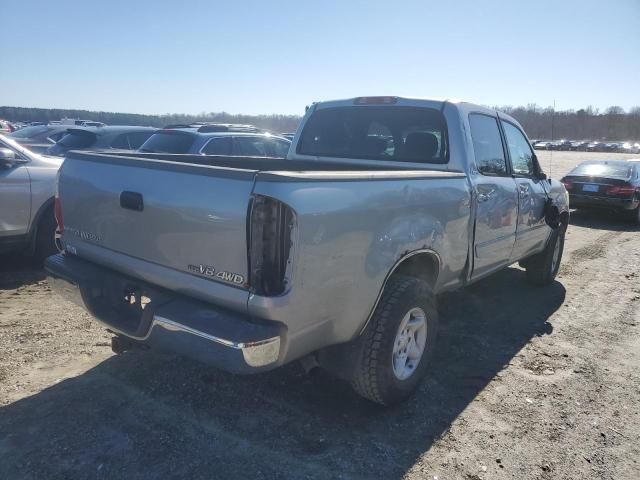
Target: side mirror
pixel 7 156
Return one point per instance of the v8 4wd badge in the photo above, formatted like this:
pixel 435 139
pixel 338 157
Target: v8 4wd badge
pixel 209 271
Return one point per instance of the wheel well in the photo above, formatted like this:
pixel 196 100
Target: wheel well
pixel 424 266
pixel 37 218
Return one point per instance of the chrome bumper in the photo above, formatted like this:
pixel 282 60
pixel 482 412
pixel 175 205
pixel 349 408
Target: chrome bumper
pixel 227 340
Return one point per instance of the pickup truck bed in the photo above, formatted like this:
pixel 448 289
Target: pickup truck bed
pixel 164 239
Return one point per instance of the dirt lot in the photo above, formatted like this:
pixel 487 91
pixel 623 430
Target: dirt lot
pixel 527 384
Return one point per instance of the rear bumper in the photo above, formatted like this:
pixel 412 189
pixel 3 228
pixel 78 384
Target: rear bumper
pixel 588 201
pixel 162 319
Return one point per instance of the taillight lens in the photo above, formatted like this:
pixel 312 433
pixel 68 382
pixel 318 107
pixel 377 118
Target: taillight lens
pixel 271 227
pixel 621 190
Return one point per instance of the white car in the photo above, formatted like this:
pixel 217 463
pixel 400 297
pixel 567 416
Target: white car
pixel 27 190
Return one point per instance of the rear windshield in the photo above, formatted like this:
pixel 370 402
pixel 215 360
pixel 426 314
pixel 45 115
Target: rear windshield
pixel 602 170
pixel 404 134
pixel 168 142
pixel 78 140
pixel 30 131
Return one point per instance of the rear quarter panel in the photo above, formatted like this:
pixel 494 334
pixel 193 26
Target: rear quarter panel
pixel 350 233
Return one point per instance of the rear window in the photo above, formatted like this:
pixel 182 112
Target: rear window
pixel 603 170
pixel 78 140
pixel 30 131
pixel 404 134
pixel 168 142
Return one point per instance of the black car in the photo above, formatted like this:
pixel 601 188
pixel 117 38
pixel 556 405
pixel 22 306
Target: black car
pixel 579 145
pixel 561 145
pixel 605 184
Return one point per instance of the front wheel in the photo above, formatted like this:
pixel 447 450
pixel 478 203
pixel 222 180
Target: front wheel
pixel 398 342
pixel 543 267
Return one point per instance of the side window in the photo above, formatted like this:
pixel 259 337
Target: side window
pixel 519 150
pixel 57 136
pixel 280 148
pixel 487 145
pixel 121 141
pixel 218 146
pixel 136 139
pixel 249 146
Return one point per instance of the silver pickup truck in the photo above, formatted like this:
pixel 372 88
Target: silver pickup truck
pixel 333 255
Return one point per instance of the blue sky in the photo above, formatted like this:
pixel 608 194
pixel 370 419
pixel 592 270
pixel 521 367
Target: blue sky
pixel 276 57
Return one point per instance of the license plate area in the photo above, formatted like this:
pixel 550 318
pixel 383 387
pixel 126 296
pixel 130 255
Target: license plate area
pixel 589 187
pixel 124 303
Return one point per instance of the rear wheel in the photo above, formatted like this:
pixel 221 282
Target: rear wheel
pixel 543 267
pixel 45 236
pixel 398 342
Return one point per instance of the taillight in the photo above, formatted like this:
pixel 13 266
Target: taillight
pixel 271 225
pixel 621 190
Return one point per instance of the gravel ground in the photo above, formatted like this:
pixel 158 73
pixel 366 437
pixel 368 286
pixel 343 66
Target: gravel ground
pixel 526 384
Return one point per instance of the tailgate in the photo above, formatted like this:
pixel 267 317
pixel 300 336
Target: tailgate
pixel 189 218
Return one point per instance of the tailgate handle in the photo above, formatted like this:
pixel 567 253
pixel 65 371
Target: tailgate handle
pixel 132 201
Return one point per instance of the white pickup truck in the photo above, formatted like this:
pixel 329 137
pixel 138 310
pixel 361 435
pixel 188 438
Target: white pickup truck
pixel 334 255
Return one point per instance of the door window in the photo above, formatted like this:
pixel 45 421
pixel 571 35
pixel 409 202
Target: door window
pixel 280 148
pixel 487 145
pixel 138 138
pixel 121 141
pixel 218 146
pixel 250 146
pixel 519 150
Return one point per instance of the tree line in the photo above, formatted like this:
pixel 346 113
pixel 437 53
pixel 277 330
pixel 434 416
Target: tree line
pixel 276 123
pixel 586 123
pixel 613 123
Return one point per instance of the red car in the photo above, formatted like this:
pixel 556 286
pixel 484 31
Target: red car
pixel 6 127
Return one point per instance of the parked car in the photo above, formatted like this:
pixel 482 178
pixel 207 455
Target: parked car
pixel 543 145
pixel 629 147
pixel 101 138
pixel 6 127
pixel 579 145
pixel 612 147
pixel 216 139
pixel 288 136
pixel 561 145
pixel 594 147
pixel 27 188
pixel 605 184
pixel 334 254
pixel 38 138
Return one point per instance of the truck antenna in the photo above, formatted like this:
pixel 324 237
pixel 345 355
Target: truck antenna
pixel 553 115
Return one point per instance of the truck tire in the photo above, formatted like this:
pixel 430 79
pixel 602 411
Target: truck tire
pixel 45 237
pixel 543 267
pixel 398 343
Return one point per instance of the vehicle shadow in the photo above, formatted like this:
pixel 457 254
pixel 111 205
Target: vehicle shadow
pixel 17 270
pixel 155 415
pixel 603 220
